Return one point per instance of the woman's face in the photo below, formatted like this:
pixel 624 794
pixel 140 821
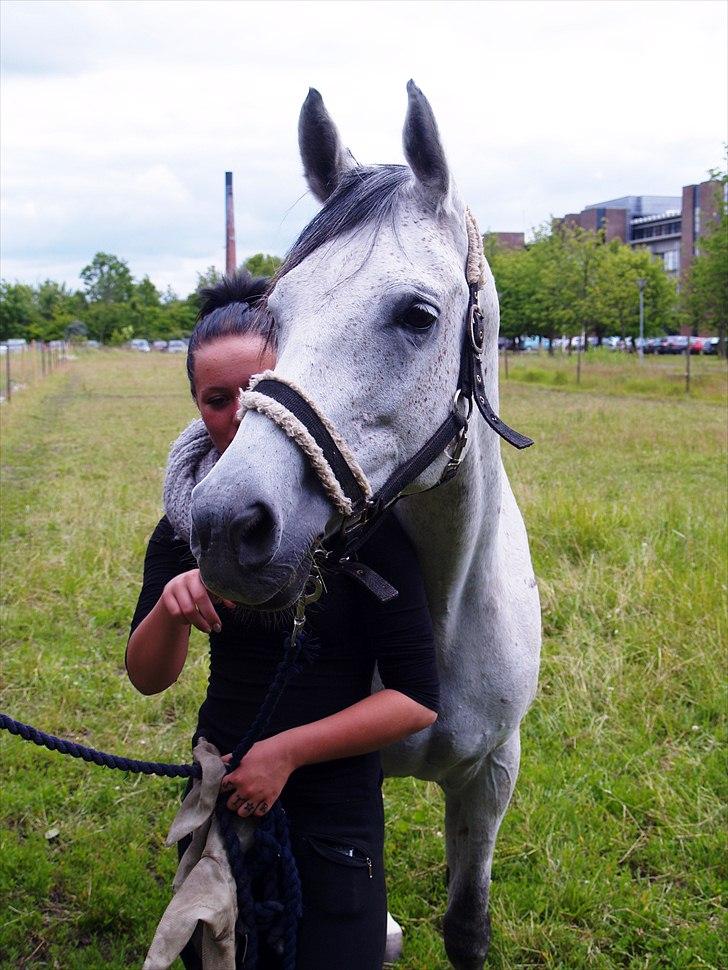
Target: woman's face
pixel 222 367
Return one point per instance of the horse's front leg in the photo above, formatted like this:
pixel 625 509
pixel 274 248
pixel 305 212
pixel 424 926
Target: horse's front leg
pixel 472 817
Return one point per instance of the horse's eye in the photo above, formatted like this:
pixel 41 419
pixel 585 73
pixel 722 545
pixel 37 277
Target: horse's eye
pixel 419 316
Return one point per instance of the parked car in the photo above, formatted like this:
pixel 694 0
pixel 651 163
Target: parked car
pixel 651 345
pixel 674 344
pixel 530 344
pixel 176 347
pixel 159 345
pixel 710 345
pixel 93 344
pixel 140 345
pixel 16 344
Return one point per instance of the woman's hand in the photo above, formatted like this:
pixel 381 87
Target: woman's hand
pixel 257 782
pixel 187 600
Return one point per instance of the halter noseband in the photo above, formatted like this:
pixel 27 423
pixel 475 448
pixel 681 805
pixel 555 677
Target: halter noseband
pixel 340 474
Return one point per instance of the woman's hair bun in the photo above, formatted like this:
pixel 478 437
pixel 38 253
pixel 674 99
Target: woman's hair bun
pixel 241 287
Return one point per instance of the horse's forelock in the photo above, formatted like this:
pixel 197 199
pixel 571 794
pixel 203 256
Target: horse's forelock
pixel 365 196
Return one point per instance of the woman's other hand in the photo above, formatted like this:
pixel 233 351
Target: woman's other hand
pixel 257 782
pixel 187 600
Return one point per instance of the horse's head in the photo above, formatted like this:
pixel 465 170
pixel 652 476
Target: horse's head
pixel 370 307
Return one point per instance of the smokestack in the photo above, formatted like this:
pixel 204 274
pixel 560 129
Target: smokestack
pixel 230 258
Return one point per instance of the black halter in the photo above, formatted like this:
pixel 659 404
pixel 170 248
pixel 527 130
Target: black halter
pixel 337 553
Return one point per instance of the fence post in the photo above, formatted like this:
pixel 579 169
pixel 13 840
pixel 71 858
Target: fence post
pixel 687 367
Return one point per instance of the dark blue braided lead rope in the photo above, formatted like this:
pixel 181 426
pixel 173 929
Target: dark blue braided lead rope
pixel 63 746
pixel 270 859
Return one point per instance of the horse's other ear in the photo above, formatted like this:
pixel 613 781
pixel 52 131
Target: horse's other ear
pixel 325 159
pixel 423 148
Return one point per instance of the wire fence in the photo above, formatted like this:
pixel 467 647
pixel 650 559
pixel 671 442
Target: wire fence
pixel 22 365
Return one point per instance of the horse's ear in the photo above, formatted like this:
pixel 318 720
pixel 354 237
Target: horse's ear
pixel 423 148
pixel 325 159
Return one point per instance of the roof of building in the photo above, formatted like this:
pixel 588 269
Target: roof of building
pixel 641 205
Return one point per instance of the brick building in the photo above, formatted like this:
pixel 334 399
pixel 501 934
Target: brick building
pixel 699 207
pixel 509 240
pixel 669 226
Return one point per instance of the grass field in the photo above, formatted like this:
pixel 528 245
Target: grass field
pixel 613 852
pixel 615 373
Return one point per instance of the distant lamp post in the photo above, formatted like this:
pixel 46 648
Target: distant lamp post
pixel 641 284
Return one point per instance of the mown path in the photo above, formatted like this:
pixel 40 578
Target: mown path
pixel 611 853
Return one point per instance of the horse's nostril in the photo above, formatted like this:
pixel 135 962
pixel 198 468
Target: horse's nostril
pixel 254 535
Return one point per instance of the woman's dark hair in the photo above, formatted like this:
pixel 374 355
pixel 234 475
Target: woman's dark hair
pixel 232 306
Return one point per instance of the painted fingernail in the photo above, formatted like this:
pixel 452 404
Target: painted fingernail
pixel 217 628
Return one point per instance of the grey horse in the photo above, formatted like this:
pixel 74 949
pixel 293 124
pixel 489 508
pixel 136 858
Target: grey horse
pixel 391 237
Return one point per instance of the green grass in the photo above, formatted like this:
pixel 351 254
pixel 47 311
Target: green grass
pixel 613 851
pixel 616 373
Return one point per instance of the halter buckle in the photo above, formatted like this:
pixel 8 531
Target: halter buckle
pixel 476 330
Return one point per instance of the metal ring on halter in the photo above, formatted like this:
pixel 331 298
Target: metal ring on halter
pixel 457 398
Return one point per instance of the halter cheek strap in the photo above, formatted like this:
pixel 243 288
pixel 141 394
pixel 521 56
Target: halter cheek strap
pixel 288 406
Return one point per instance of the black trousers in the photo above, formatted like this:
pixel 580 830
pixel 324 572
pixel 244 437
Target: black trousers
pixel 338 844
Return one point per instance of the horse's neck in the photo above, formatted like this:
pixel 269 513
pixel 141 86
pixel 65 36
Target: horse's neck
pixel 455 527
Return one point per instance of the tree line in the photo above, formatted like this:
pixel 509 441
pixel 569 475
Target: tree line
pixel 569 281
pixel 566 282
pixel 111 306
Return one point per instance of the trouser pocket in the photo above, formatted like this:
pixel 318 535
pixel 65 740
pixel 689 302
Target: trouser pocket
pixel 338 875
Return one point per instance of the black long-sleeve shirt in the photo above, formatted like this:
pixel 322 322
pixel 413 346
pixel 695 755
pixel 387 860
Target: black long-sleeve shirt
pixel 349 631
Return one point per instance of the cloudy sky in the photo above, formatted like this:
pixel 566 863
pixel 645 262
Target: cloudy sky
pixel 119 119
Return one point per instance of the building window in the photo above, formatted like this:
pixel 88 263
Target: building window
pixel 696 221
pixel 670 260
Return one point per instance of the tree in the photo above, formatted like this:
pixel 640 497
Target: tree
pixel 210 277
pixel 18 310
pixel 569 281
pixel 615 295
pixel 51 298
pixel 513 272
pixel 146 293
pixel 262 264
pixel 107 279
pixel 102 319
pixel 705 294
pixel 177 318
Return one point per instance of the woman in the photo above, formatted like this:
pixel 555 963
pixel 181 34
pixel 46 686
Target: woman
pixel 320 752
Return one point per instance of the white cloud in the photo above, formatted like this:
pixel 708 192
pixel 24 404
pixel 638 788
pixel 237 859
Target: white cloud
pixel 119 118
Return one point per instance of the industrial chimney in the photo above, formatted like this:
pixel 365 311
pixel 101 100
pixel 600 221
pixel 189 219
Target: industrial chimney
pixel 230 258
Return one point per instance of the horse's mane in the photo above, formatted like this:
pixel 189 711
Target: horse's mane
pixel 365 195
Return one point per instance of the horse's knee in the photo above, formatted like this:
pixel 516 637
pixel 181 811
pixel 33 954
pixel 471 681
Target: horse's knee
pixel 466 931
